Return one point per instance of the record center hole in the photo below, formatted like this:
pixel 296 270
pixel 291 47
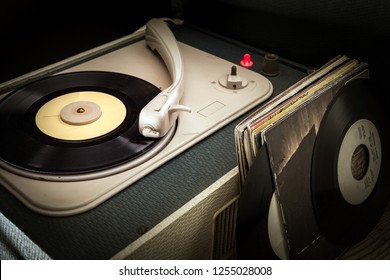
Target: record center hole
pixel 80 113
pixel 359 162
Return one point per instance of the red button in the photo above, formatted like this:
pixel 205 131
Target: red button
pixel 246 60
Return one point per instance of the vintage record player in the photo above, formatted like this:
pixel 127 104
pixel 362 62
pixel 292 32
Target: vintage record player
pixel 95 192
pixel 99 126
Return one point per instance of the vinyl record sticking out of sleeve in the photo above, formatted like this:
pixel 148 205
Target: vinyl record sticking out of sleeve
pixel 252 219
pixel 350 186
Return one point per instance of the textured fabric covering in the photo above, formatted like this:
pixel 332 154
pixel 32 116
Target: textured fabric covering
pixel 16 245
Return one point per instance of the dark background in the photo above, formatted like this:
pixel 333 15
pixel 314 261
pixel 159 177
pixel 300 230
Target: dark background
pixel 37 33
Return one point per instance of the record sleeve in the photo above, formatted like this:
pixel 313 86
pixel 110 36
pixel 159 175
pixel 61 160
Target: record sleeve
pixel 289 136
pixel 291 145
pixel 245 138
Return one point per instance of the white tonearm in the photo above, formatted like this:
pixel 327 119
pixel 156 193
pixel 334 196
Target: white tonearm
pixel 160 114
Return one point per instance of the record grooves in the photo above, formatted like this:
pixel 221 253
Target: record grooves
pixel 24 146
pixel 343 221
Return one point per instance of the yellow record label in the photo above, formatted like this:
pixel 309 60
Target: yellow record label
pixel 56 118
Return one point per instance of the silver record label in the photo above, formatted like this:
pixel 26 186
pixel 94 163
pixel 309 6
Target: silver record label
pixel 359 161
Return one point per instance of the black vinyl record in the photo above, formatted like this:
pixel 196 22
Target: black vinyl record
pixel 341 220
pixel 252 240
pixel 24 146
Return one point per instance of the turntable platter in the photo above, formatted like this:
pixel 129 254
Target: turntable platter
pixel 44 133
